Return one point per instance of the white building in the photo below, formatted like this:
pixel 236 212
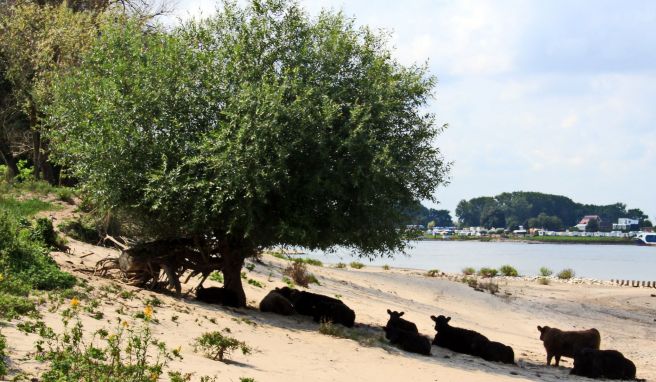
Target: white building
pixel 625 224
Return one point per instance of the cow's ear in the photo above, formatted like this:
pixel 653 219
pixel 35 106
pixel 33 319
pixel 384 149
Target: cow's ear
pixel 434 318
pixel 448 319
pixel 401 314
pixel 540 328
pixel 389 312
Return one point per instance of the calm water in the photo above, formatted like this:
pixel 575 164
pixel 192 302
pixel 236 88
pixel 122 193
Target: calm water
pixel 591 261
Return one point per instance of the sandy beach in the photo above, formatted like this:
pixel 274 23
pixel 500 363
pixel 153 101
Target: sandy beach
pixel 292 348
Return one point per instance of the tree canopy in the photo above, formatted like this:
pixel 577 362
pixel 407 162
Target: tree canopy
pixel 257 127
pixel 535 209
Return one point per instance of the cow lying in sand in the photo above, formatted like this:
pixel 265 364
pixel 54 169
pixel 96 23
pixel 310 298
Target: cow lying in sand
pixel 559 343
pixel 609 364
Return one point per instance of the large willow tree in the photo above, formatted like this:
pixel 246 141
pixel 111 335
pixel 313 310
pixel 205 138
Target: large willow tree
pixel 257 127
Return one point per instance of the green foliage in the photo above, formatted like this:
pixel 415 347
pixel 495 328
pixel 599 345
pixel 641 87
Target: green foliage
pixel 566 274
pixel 508 270
pixel 330 329
pixel 243 126
pixel 468 271
pixel 82 229
pixel 356 265
pixel 255 283
pixel 250 267
pixel 125 355
pixel 582 239
pixel 545 272
pixel 289 282
pixel 245 379
pixel 25 172
pixel 24 208
pixel 420 215
pixel 340 265
pixel 487 272
pixel 15 306
pixel 217 346
pixel 44 232
pixel 386 267
pixel 314 262
pixel 433 273
pixel 24 256
pixel 3 355
pixel 543 281
pixel 217 276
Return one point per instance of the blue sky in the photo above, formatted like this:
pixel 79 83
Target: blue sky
pixel 551 96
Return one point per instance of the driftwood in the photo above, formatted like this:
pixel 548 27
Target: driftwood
pixel 150 264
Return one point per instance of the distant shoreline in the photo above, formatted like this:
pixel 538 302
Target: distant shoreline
pixel 540 240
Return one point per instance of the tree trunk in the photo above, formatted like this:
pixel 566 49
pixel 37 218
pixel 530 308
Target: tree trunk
pixel 36 143
pixel 7 157
pixel 233 261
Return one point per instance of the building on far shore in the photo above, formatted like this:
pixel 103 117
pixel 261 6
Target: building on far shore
pixel 626 224
pixel 583 224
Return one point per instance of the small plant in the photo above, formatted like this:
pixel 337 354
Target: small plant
pixel 508 270
pixel 174 318
pixel 314 262
pixel 280 254
pixel 487 272
pixel 489 286
pixel 65 194
pixel 81 229
pixel 312 279
pixel 433 273
pixel 545 272
pixel 566 274
pixel 543 281
pixel 298 272
pixel 340 265
pixel 126 295
pixel 154 301
pixel 244 379
pixel 330 329
pixel 243 276
pixel 468 271
pixel 386 267
pixel 176 376
pixel 217 276
pixel 250 267
pixel 289 282
pixel 217 346
pixel 356 265
pixel 255 283
pixel 3 355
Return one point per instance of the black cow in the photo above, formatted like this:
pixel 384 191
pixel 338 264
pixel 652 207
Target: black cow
pixel 611 364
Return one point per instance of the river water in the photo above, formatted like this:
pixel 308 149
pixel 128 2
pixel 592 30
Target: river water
pixel 591 261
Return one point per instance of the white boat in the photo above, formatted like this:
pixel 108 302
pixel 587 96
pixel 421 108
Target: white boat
pixel 646 238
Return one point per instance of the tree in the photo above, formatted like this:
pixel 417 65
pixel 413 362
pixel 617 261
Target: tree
pixel 258 127
pixel 592 226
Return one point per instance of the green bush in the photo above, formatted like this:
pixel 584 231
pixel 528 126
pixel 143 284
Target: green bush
pixel 340 265
pixel 566 274
pixel 65 194
pixel 433 273
pixel 3 355
pixel 508 270
pixel 298 272
pixel 356 265
pixel 545 272
pixel 81 229
pixel 468 271
pixel 386 267
pixel 15 306
pixel 217 346
pixel 487 272
pixel 217 276
pixel 314 262
pixel 543 281
pixel 255 283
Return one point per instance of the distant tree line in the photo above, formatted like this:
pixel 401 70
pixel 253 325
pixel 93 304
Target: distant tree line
pixel 429 217
pixel 538 210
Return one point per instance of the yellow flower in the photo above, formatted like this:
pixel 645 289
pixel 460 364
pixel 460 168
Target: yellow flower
pixel 75 302
pixel 148 312
pixel 154 376
pixel 125 324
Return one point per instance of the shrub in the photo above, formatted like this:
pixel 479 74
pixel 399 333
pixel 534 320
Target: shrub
pixel 217 346
pixel 65 194
pixel 81 229
pixel 489 286
pixel 217 276
pixel 487 272
pixel 386 267
pixel 566 274
pixel 356 265
pixel 508 270
pixel 250 267
pixel 312 279
pixel 433 273
pixel 3 355
pixel 543 281
pixel 314 262
pixel 340 265
pixel 298 272
pixel 255 283
pixel 468 271
pixel 125 355
pixel 15 306
pixel 330 329
pixel 545 272
pixel 289 282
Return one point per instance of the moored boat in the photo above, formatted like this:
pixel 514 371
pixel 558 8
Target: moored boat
pixel 646 238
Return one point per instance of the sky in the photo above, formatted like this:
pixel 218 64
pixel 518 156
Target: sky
pixel 551 96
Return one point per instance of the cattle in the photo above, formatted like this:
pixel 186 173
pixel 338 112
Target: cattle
pixel 396 321
pixel 559 343
pixel 215 295
pixel 494 351
pixel 408 341
pixel 277 303
pixel 319 307
pixel 457 339
pixel 609 364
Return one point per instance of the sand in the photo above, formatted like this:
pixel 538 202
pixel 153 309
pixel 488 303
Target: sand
pixel 292 348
